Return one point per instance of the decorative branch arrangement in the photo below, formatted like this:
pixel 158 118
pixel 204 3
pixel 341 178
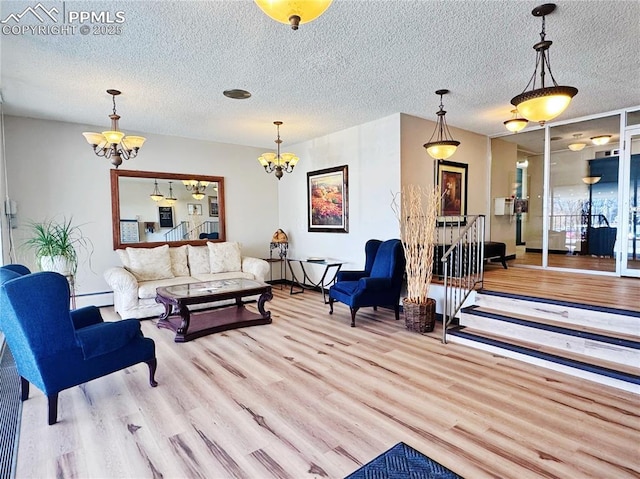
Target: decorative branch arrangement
pixel 416 209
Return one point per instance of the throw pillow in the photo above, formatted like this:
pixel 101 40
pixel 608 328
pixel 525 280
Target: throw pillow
pixel 198 259
pixel 148 264
pixel 224 257
pixel 124 257
pixel 179 265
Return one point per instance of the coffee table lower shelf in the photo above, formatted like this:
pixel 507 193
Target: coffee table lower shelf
pixel 212 321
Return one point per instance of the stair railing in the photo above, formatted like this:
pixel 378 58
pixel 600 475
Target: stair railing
pixel 207 227
pixel 462 263
pixel 178 232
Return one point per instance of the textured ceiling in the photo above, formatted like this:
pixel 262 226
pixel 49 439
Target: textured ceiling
pixel 360 61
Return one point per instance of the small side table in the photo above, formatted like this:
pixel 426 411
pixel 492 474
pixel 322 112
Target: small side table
pixel 283 269
pixel 331 269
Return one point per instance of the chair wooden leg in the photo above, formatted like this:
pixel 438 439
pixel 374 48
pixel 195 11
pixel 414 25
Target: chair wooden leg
pixel 330 305
pixel 375 308
pixel 153 364
pixel 53 408
pixel 24 389
pixel 397 311
pixel 353 317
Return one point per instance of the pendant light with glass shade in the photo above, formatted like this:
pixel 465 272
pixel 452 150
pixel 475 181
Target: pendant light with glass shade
pixel 577 145
pixel 543 103
pixel 441 145
pixel 156 195
pixel 170 199
pixel 601 139
pixel 293 12
pixel 516 122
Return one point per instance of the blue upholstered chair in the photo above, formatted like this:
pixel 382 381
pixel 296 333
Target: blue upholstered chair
pixel 54 348
pixel 379 284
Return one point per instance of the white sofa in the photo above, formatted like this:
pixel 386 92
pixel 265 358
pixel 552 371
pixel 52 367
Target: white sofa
pixel 145 269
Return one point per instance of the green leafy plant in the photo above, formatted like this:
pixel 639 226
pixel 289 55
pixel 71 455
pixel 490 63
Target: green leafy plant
pixel 51 238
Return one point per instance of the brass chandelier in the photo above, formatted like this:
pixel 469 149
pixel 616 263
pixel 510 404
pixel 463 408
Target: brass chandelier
pixel 277 162
pixel 543 103
pixel 113 144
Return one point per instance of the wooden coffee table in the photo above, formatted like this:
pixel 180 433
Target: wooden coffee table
pixel 189 324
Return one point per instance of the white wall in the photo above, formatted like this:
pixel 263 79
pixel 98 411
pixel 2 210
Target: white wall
pixel 372 153
pixel 53 172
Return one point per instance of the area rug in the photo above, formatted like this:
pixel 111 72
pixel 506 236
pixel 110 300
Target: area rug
pixel 403 462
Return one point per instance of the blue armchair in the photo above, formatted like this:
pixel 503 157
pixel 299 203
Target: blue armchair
pixel 379 284
pixel 54 348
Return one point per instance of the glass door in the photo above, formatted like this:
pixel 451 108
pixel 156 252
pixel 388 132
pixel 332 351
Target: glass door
pixel 630 238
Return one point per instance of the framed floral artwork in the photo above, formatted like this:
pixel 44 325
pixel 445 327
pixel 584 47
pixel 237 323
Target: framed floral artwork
pixel 328 200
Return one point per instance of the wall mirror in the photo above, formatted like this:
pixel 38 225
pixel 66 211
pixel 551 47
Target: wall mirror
pixel 150 209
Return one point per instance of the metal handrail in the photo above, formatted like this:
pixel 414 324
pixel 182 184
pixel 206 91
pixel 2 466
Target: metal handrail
pixel 462 265
pixel 177 233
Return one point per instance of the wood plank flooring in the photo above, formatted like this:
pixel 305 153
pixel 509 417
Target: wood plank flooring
pixel 593 289
pixel 310 397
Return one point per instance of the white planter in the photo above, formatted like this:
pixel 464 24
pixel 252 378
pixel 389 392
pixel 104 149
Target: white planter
pixel 58 264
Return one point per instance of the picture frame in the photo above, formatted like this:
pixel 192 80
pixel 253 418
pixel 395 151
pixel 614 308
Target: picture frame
pixel 194 209
pixel 451 178
pixel 328 200
pixel 213 206
pixel 165 214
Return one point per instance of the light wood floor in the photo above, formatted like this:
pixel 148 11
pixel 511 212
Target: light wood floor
pixel 310 397
pixel 593 289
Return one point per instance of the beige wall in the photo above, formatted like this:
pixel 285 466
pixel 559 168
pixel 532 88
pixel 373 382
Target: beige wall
pixel 418 167
pixel 504 156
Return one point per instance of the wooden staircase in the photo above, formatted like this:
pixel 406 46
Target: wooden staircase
pixel 596 343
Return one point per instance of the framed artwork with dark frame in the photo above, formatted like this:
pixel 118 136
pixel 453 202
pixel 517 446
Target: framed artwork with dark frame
pixel 328 200
pixel 451 178
pixel 213 206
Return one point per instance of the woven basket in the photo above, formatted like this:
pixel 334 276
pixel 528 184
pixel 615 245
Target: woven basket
pixel 420 317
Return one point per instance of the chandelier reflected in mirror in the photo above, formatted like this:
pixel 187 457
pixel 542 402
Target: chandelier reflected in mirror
pixel 277 162
pixel 197 188
pixel 113 144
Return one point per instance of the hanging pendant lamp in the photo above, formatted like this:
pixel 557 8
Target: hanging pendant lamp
pixel 441 145
pixel 293 12
pixel 543 103
pixel 515 123
pixel 156 195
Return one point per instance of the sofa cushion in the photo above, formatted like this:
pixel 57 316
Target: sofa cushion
pixel 224 257
pixel 198 259
pixel 147 289
pixel 179 265
pixel 124 258
pixel 148 264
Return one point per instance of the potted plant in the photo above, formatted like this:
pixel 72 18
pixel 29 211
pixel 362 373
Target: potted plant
pixel 417 217
pixel 56 245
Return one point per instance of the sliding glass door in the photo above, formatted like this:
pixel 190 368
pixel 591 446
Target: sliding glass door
pixel 630 238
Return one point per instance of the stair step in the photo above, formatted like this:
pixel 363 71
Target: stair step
pixel 606 372
pixel 631 341
pixel 613 321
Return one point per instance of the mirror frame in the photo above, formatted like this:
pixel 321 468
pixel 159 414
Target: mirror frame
pixel 115 206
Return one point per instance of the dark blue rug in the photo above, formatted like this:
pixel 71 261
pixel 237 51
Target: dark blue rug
pixel 403 462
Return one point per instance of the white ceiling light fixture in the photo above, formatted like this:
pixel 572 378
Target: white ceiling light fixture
pixel 156 195
pixel 600 139
pixel 170 199
pixel 515 123
pixel 441 145
pixel 293 12
pixel 277 162
pixel 543 103
pixel 113 144
pixel 578 145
